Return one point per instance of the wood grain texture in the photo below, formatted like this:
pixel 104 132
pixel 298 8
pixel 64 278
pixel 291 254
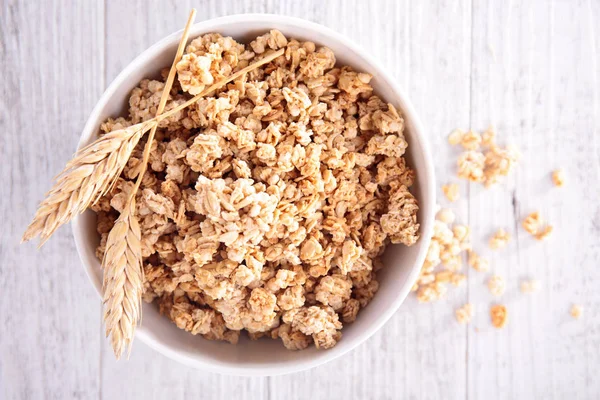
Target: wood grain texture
pixel 49 319
pixel 529 68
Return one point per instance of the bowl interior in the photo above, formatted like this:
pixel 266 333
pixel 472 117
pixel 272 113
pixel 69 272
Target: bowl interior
pixel 269 357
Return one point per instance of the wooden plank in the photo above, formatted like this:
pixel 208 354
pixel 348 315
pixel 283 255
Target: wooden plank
pixel 531 78
pixel 49 313
pixel 529 68
pixel 416 354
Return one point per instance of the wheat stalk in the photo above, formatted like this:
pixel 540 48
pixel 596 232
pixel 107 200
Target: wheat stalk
pixel 89 176
pixel 86 178
pixel 96 167
pixel 122 262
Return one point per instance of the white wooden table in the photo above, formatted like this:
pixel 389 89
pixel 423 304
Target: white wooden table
pixel 530 68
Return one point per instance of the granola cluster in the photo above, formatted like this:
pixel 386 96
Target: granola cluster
pixel 530 286
pixel 483 161
pixel 465 313
pixel 497 285
pixel 267 204
pixel 535 225
pixel 498 315
pixel 576 311
pixel 443 261
pixel 451 191
pixel 558 177
pixel 499 240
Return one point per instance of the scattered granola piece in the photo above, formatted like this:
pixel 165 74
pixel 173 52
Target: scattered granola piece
pixel 489 137
pixel 443 276
pixel 457 279
pixel 431 292
pixel 455 137
pixel 530 286
pixel 470 166
pixel 471 140
pixel 532 223
pixel 446 216
pixel 443 260
pixel 451 191
pixel 478 263
pixel 558 177
pixel 544 233
pixel 461 232
pixel 499 240
pixel 485 167
pixel 465 313
pixel 498 315
pixel 499 162
pixel 497 285
pixel 576 311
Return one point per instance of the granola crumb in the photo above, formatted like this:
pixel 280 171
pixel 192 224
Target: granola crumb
pixel 499 162
pixel 478 263
pixel 465 313
pixel 576 311
pixel 544 233
pixel 451 191
pixel 532 223
pixel 457 279
pixel 446 215
pixel 496 285
pixel 488 137
pixel 530 286
pixel 461 232
pixel 498 315
pixel 536 226
pixel 443 260
pixel 431 292
pixel 558 177
pixel 499 240
pixel 471 166
pixel 455 137
pixel 487 165
pixel 471 140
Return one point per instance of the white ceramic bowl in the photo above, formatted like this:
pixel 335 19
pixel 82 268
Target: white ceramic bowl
pixel 269 357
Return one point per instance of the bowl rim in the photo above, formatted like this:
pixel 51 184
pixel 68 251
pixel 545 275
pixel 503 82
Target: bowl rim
pixel 426 179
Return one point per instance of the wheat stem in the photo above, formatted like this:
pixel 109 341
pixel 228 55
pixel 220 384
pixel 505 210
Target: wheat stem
pixel 220 84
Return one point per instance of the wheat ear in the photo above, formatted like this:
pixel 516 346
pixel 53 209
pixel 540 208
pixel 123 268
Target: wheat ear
pixel 85 178
pixel 95 168
pixel 123 280
pixel 122 262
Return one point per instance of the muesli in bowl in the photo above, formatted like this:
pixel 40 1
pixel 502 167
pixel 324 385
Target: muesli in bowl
pixel 268 203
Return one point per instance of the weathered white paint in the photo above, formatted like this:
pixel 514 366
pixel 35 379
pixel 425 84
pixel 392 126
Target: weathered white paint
pixel 530 68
